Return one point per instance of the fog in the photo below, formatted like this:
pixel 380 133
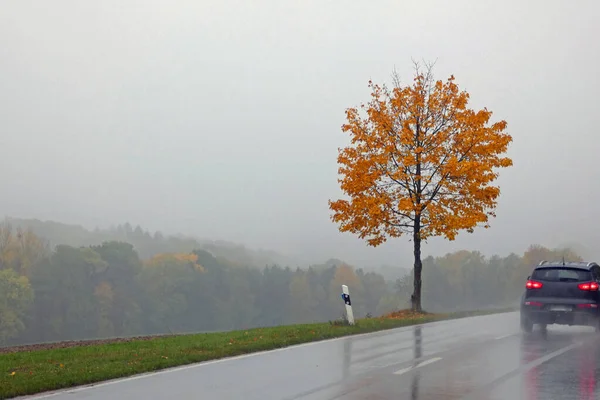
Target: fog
pixel 222 119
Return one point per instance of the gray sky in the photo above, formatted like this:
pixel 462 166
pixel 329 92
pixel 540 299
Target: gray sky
pixel 222 119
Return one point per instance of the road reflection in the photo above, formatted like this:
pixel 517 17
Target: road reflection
pixel 418 353
pixel 587 377
pixel 571 375
pixel 530 351
pixel 347 359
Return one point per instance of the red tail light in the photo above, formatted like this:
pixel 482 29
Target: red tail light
pixel 533 284
pixel 587 306
pixel 589 286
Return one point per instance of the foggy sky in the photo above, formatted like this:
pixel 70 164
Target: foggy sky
pixel 222 119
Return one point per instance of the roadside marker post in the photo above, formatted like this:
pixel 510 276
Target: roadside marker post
pixel 346 298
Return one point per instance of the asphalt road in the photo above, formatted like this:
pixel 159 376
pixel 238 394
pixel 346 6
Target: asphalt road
pixel 481 358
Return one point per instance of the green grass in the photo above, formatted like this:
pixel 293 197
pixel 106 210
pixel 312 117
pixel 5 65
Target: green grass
pixel 30 372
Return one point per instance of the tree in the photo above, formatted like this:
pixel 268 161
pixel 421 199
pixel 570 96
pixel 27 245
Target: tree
pixel 16 296
pixel 169 281
pixel 537 253
pixel 272 298
pixel 421 163
pixel 20 249
pixel 117 289
pixel 374 289
pixel 302 303
pixel 65 306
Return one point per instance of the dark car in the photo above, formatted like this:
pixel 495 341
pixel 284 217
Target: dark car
pixel 562 293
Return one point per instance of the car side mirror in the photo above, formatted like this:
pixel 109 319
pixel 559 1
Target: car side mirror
pixel 529 277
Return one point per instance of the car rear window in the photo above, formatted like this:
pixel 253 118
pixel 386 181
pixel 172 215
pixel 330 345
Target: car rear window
pixel 561 275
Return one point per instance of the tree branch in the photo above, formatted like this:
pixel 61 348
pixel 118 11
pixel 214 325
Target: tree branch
pixel 439 185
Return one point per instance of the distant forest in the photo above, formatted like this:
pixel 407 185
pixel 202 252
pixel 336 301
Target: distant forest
pixel 63 282
pixel 146 244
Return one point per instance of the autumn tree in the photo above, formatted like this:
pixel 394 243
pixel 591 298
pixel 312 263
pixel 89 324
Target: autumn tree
pixel 537 253
pixel 420 162
pixel 16 297
pixel 20 249
pixel 169 280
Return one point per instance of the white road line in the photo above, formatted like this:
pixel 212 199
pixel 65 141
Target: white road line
pixel 402 371
pixel 427 362
pixel 421 364
pixel 503 336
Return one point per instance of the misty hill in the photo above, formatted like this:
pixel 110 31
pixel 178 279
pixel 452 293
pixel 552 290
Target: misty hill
pixel 389 272
pixel 150 244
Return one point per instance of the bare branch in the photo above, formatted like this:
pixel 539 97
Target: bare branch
pixel 442 180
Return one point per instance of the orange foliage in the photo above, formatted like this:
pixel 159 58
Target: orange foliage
pixel 166 259
pixel 419 154
pixel 345 275
pixel 537 253
pixel 404 314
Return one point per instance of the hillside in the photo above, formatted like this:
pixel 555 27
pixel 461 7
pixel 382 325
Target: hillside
pixel 149 244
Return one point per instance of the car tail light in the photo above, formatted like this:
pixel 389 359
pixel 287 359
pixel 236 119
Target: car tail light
pixel 533 284
pixel 589 286
pixel 587 305
pixel 534 303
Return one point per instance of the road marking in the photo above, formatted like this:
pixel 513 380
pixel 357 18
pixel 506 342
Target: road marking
pixel 430 361
pixel 421 364
pixel 402 371
pixel 485 389
pixel 503 336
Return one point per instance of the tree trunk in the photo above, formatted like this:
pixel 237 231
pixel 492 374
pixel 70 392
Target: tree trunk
pixel 416 297
pixel 418 267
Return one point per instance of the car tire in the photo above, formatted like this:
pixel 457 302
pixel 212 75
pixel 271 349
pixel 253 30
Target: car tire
pixel 526 324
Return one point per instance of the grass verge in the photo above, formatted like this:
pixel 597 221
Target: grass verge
pixel 30 372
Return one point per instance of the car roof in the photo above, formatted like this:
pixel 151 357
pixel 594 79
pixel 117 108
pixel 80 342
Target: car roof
pixel 560 264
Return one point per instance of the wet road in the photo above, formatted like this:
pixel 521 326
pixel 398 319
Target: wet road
pixel 481 358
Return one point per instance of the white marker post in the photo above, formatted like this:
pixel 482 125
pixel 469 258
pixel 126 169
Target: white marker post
pixel 346 297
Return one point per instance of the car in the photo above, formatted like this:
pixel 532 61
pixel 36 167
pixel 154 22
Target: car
pixel 563 294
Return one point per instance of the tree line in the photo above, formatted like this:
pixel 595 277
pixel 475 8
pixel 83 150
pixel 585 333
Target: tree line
pixel 147 244
pixel 107 290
